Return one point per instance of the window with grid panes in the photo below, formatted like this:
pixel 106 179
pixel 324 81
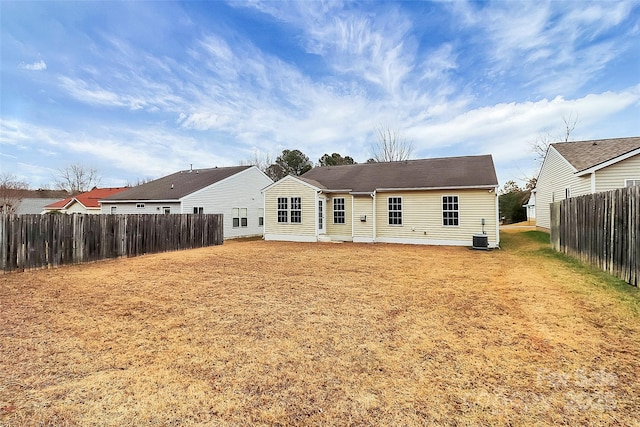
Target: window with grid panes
pixel 395 210
pixel 450 213
pixel 296 210
pixel 283 210
pixel 338 210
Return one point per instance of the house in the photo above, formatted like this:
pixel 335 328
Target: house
pixel 85 203
pixel 573 169
pixel 234 192
pixel 530 206
pixel 32 206
pixel 442 201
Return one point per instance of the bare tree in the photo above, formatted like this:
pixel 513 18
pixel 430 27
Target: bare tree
pixel 391 145
pixel 259 159
pixel 77 179
pixel 12 191
pixel 541 144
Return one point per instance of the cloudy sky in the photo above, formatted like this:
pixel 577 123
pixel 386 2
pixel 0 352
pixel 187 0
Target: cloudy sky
pixel 139 90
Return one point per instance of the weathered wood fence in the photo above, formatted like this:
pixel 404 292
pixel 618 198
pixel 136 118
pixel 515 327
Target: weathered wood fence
pixel 602 229
pixel 34 241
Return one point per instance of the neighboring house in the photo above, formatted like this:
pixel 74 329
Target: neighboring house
pixel 33 205
pixel 441 201
pixel 573 169
pixel 531 206
pixel 234 192
pixel 84 203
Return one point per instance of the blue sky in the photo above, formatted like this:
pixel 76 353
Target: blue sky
pixel 139 90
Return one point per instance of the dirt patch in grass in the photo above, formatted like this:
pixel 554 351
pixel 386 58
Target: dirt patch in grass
pixel 271 333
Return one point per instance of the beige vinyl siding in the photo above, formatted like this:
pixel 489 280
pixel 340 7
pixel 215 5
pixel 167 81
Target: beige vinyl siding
pixel 289 189
pixel 581 186
pixel 556 175
pixel 363 205
pixel 614 176
pixel 340 231
pixel 422 216
pixel 76 207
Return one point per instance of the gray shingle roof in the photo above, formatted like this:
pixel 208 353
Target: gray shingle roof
pixel 177 185
pixel 587 154
pixel 33 206
pixel 447 172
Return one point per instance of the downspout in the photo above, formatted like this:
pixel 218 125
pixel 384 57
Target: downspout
pixel 317 218
pixel 373 201
pixel 264 214
pixel 497 218
pixel 353 223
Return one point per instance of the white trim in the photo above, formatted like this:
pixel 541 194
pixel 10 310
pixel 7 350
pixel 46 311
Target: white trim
pixel 289 178
pixel 463 187
pixel 108 202
pixel 435 242
pixel 375 228
pixel 363 240
pixel 290 238
pixel 353 214
pixel 593 182
pixel 340 238
pixel 608 162
pixel 498 217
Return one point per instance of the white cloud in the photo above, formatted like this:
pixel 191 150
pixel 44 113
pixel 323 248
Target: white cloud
pixel 35 66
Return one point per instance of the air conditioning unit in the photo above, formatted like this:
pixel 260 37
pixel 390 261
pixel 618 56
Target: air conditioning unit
pixel 480 241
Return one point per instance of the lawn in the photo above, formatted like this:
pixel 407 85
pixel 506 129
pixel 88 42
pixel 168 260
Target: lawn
pixel 274 333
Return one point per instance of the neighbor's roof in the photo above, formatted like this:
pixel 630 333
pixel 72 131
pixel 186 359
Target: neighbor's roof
pixel 587 154
pixel 32 205
pixel 177 185
pixel 446 172
pixel 88 200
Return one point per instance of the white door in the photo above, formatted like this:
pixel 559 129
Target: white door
pixel 322 218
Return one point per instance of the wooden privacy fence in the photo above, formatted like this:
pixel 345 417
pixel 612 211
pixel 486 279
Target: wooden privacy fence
pixel 602 229
pixel 34 241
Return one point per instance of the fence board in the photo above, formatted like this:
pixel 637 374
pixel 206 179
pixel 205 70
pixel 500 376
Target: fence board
pixel 35 241
pixel 601 229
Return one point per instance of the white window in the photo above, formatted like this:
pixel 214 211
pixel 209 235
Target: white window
pixel 631 182
pixel 338 210
pixel 243 217
pixel 260 217
pixel 450 211
pixel 113 209
pixel 296 210
pixel 166 210
pixel 140 205
pixel 239 217
pixel 198 210
pixel 395 210
pixel 283 210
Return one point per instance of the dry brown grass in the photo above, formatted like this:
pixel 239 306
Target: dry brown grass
pixel 267 333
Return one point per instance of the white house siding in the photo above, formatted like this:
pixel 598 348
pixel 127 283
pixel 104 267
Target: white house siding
pixel 422 218
pixel 242 190
pixel 363 230
pixel 556 175
pixel 614 176
pixel 131 207
pixel 341 232
pixel 305 231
